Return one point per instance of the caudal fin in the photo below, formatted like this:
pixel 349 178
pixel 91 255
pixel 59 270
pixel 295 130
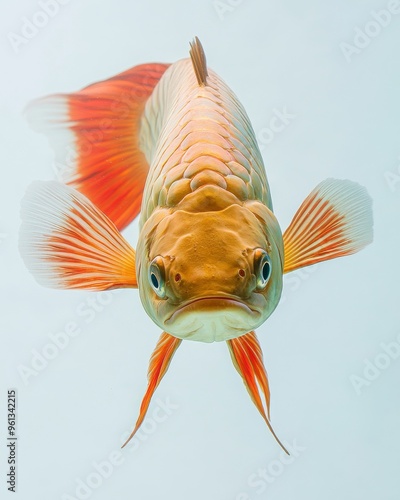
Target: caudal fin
pixel 67 242
pixel 333 221
pixel 95 136
pixel 159 363
pixel 247 358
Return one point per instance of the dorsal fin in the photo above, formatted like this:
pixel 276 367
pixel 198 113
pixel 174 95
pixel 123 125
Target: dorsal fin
pixel 199 61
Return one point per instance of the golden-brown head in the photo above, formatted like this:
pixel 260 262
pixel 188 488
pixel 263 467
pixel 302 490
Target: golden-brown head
pixel 211 276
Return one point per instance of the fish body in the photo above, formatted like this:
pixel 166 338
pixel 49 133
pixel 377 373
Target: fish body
pixel 174 143
pixel 205 192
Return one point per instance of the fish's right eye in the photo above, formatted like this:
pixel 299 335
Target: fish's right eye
pixel 157 276
pixel 154 281
pixel 262 263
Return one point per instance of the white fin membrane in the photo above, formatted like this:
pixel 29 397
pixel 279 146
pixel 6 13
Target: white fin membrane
pixel 67 242
pixel 333 221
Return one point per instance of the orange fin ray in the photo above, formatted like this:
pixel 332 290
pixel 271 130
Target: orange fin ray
pixel 247 358
pixel 159 363
pixel 67 242
pixel 333 221
pixel 95 136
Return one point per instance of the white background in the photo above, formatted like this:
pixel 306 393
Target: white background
pixel 274 55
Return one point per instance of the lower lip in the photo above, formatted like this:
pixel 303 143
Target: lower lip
pixel 210 303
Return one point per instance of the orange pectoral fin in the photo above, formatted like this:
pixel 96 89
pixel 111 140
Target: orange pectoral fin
pixel 159 363
pixel 247 358
pixel 95 136
pixel 67 242
pixel 333 221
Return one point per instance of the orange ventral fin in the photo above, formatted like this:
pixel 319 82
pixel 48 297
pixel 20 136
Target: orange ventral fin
pixel 159 363
pixel 333 221
pixel 95 136
pixel 247 358
pixel 67 242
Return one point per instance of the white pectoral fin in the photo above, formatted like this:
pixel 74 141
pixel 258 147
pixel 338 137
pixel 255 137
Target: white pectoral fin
pixel 67 242
pixel 333 221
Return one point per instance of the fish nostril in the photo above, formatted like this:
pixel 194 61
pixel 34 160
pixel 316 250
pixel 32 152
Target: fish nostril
pixel 242 273
pixel 177 277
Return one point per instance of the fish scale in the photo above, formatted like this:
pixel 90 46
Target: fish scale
pixel 209 146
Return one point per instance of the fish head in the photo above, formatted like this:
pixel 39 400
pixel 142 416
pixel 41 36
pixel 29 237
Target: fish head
pixel 211 276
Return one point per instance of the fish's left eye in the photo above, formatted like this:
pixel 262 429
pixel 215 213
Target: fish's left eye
pixel 157 276
pixel 262 267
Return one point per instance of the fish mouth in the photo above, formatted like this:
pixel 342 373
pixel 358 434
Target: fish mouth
pixel 212 318
pixel 203 304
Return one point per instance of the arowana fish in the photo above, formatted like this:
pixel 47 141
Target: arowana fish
pixel 174 142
